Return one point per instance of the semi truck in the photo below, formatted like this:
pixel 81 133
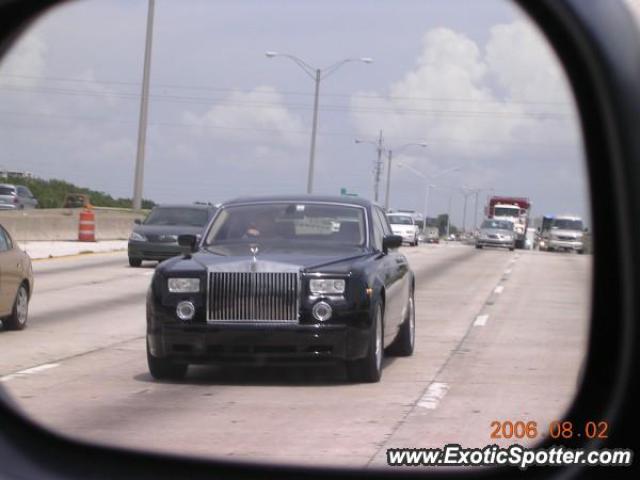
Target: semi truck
pixel 514 209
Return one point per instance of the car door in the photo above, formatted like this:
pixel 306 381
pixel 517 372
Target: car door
pixel 9 272
pixel 393 275
pixel 26 197
pixel 400 267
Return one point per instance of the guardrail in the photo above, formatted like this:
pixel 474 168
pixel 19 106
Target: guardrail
pixel 62 223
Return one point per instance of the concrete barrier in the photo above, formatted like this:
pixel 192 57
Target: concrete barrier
pixel 62 223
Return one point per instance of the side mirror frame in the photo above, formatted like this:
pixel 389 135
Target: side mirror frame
pixel 189 243
pixel 391 241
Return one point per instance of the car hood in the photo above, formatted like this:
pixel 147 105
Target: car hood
pixel 168 229
pixel 273 258
pixel 495 231
pixel 567 233
pixel 403 228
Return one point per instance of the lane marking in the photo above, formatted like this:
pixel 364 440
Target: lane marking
pixel 508 271
pixel 499 289
pixel 29 371
pixel 481 320
pixel 434 394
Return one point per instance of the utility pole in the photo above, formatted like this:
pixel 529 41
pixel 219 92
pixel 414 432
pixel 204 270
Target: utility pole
pixel 475 215
pixel 449 214
pixel 378 169
pixel 144 106
pixel 464 213
pixel 386 197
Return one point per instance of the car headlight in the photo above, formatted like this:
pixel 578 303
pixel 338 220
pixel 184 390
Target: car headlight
pixel 184 285
pixel 137 236
pixel 327 286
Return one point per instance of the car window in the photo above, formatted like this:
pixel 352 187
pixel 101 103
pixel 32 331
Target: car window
pixel 378 231
pixel 386 228
pixel 5 240
pixel 7 190
pixel 170 216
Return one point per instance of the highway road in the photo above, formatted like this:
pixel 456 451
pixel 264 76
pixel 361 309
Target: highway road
pixel 500 336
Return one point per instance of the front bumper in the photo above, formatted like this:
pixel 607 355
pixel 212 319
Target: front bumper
pixel 258 344
pixel 153 251
pixel 565 244
pixel 495 242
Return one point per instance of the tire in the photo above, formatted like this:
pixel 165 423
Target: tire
pixel 404 343
pixel 511 249
pixel 369 368
pixel 478 246
pixel 164 369
pixel 580 252
pixel 135 262
pixel 20 312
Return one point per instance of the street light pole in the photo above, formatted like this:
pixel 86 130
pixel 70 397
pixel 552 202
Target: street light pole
pixel 314 130
pixel 144 106
pixel 386 196
pixel 378 170
pixel 316 75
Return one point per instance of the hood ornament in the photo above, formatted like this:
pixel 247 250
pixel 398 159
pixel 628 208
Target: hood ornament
pixel 254 251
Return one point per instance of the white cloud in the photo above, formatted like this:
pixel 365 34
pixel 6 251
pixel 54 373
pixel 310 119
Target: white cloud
pixel 474 101
pixel 258 115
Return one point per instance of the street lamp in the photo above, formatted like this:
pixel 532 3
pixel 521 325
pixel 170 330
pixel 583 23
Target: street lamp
pixel 389 158
pixel 378 167
pixel 316 75
pixel 428 185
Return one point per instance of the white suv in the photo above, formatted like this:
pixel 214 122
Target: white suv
pixel 404 225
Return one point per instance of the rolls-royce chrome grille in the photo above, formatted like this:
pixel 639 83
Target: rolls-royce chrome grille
pixel 253 296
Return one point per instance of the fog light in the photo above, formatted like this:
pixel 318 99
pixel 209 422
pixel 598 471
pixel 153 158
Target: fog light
pixel 322 311
pixel 185 310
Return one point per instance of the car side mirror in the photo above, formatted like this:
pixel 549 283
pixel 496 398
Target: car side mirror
pixel 188 243
pixel 391 241
pixel 137 221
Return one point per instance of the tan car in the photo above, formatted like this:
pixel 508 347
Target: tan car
pixel 16 283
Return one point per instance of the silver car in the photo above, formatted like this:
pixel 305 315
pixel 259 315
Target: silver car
pixel 16 197
pixel 496 233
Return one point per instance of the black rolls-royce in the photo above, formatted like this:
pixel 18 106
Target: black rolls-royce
pixel 301 279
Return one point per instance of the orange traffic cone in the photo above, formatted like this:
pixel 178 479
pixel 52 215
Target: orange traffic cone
pixel 87 226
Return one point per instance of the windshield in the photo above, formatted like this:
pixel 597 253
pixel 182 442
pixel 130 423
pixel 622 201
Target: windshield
pixel 195 217
pixel 400 220
pixel 289 222
pixel 497 224
pixel 566 224
pixel 506 211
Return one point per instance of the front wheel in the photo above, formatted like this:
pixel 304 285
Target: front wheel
pixel 369 368
pixel 20 312
pixel 164 369
pixel 135 262
pixel 404 343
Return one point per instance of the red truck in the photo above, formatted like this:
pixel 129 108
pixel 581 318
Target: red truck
pixel 514 209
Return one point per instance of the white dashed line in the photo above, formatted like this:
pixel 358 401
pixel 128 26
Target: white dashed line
pixel 508 271
pixel 434 394
pixel 481 320
pixel 499 289
pixel 29 371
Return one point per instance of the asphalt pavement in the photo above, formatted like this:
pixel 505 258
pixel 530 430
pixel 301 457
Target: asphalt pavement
pixel 500 336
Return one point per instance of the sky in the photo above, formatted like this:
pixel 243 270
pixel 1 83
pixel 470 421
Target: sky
pixel 475 81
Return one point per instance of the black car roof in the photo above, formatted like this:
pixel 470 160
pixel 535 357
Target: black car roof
pixel 357 201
